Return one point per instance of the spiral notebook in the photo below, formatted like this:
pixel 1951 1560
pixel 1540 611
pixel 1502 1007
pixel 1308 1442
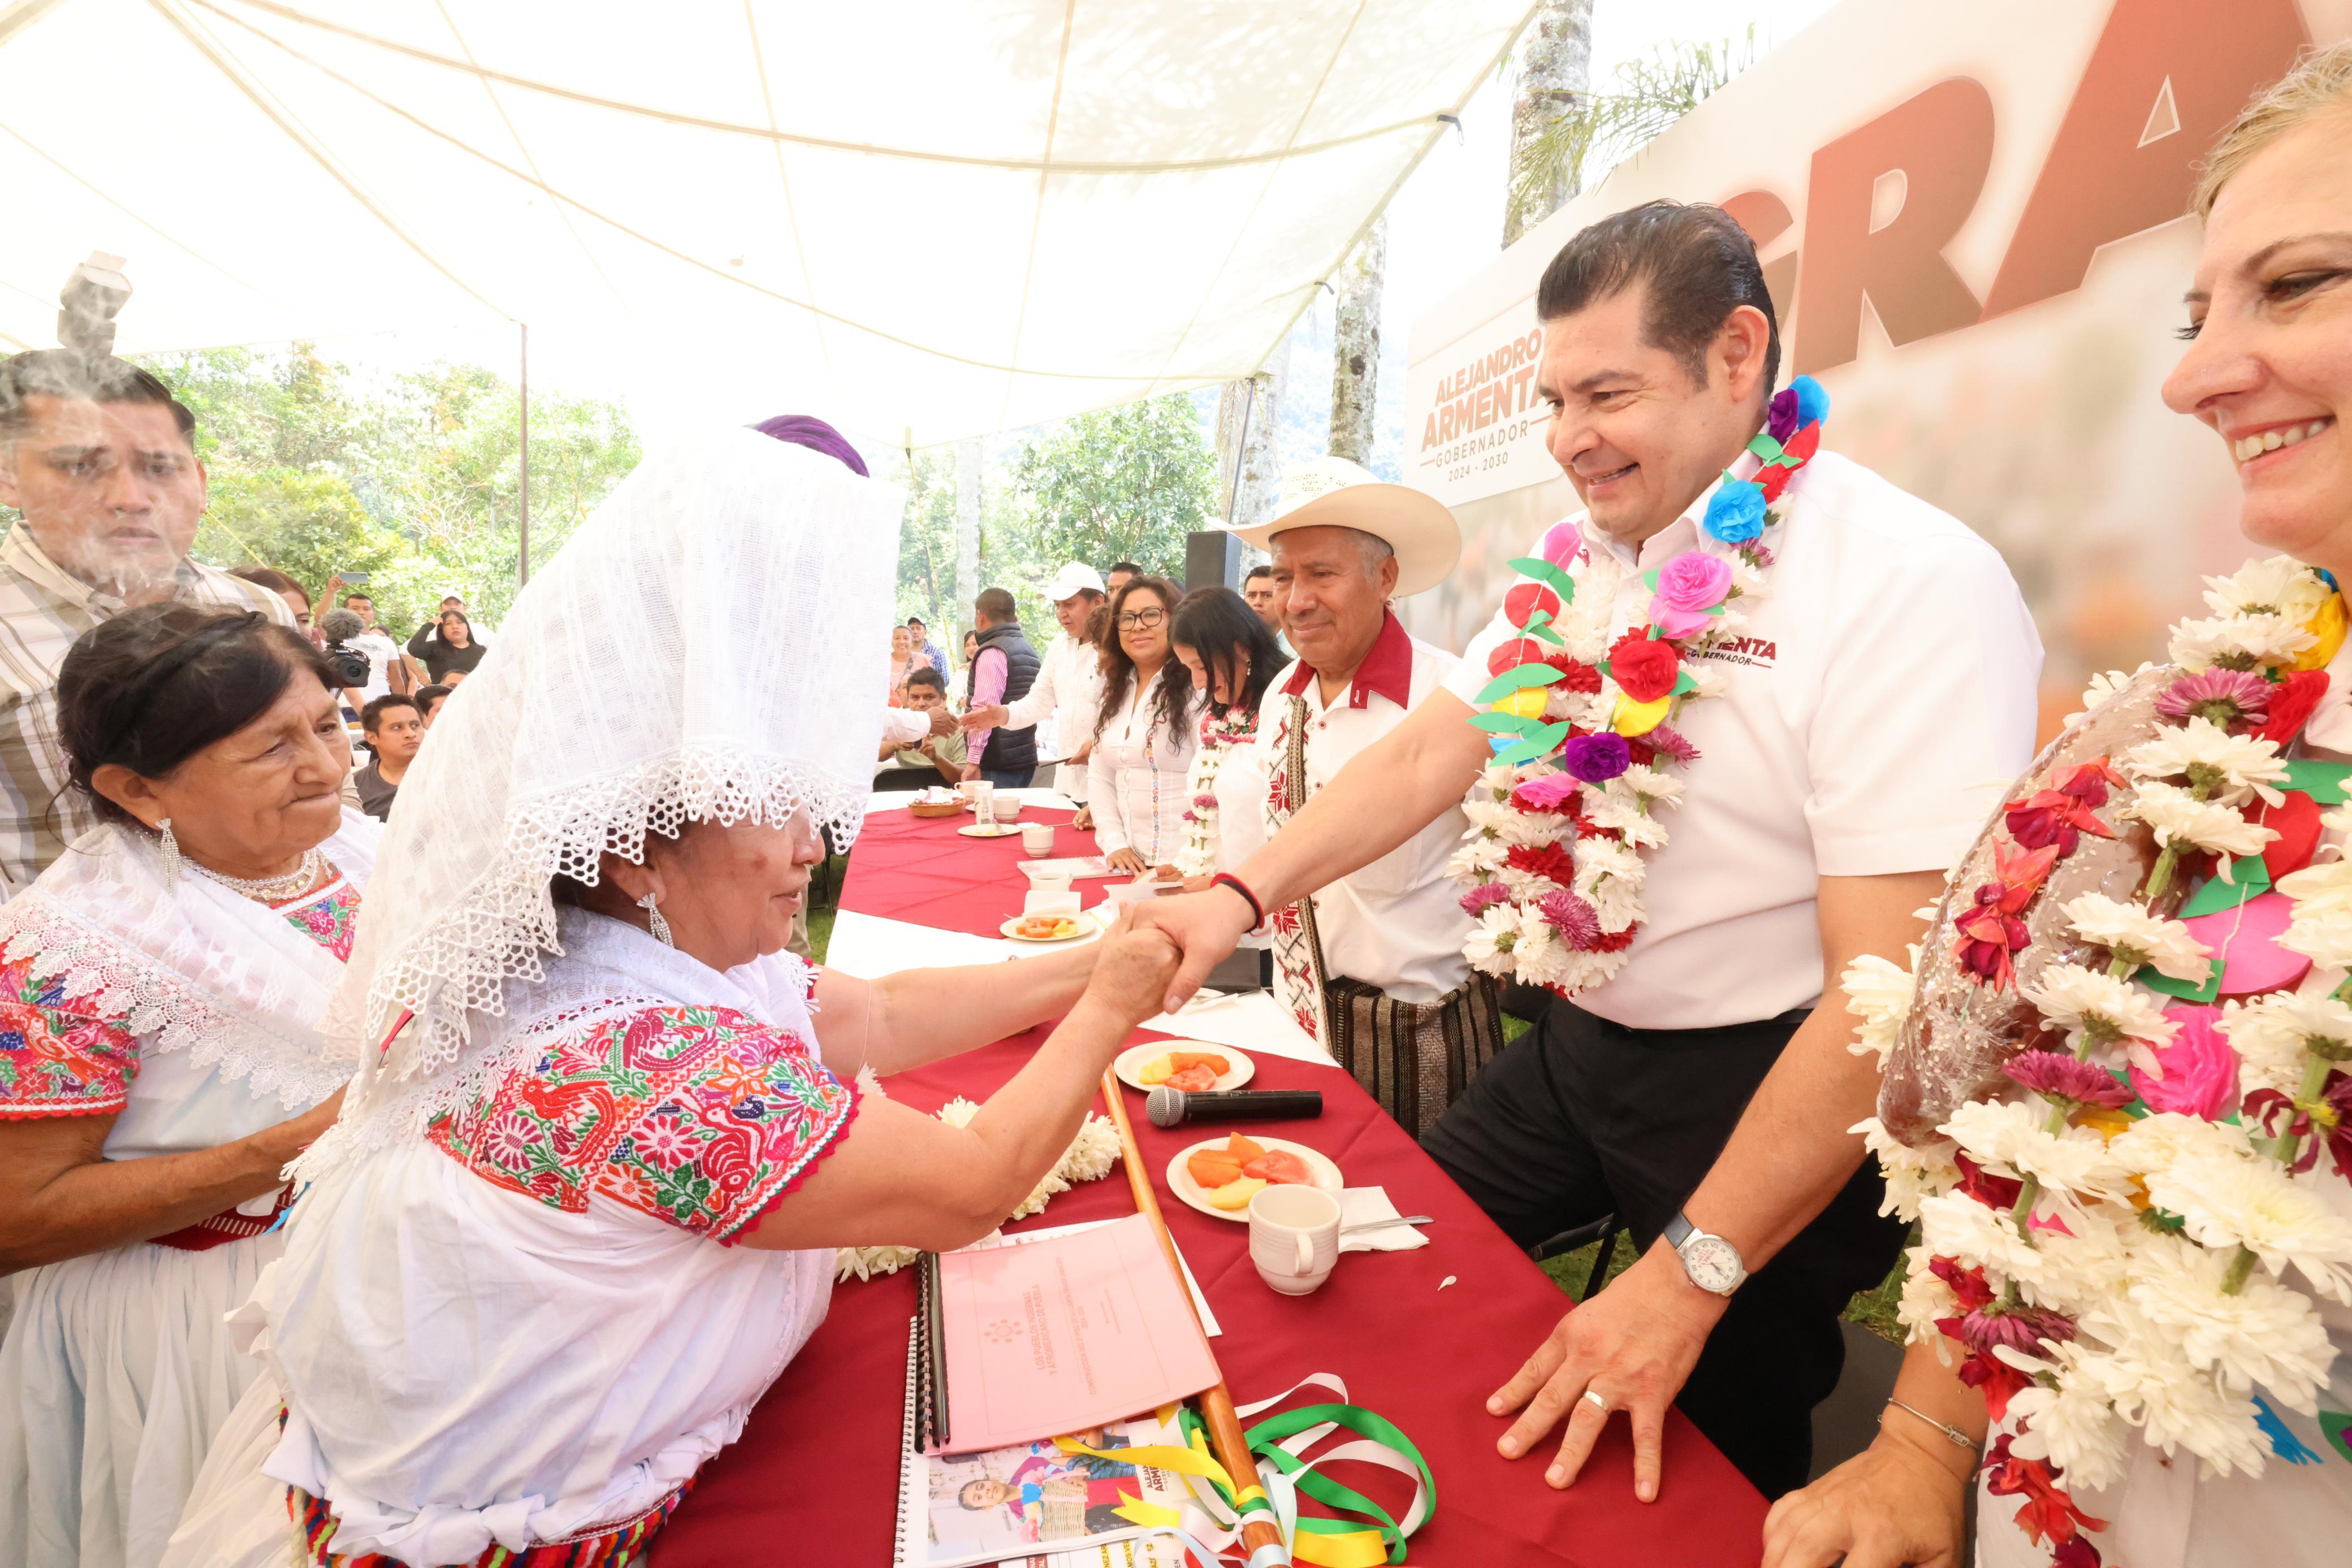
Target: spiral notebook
pixel 1021 1341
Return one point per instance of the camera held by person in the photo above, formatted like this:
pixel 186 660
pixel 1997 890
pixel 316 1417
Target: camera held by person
pixel 339 626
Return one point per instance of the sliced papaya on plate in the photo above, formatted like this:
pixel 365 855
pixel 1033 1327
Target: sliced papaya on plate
pixel 1281 1167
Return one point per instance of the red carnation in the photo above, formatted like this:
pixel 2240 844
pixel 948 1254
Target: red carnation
pixel 2292 701
pixel 1578 676
pixel 1644 668
pixel 1545 860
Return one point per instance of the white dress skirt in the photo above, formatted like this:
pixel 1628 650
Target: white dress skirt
pixel 1136 780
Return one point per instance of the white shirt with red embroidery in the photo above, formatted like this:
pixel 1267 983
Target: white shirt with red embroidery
pixel 1396 924
pixel 1880 699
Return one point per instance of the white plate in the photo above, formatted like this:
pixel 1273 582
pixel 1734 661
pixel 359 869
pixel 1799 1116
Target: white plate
pixel 1088 927
pixel 1136 1058
pixel 1181 1182
pixel 974 831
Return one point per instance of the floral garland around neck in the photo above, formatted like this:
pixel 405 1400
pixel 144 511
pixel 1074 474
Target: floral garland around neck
pixel 2112 1241
pixel 1580 726
pixel 1219 733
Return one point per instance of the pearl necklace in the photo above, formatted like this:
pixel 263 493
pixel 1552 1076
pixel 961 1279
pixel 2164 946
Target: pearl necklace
pixel 272 889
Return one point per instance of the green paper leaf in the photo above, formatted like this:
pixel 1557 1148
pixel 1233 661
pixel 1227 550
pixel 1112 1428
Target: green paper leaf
pixel 2252 877
pixel 2207 993
pixel 1716 609
pixel 1538 627
pixel 1682 683
pixel 2323 781
pixel 1765 447
pixel 1534 746
pixel 2336 1427
pixel 1656 631
pixel 1517 678
pixel 1502 722
pixel 1650 580
pixel 1550 576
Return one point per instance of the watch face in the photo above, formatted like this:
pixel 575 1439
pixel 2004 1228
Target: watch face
pixel 1712 1262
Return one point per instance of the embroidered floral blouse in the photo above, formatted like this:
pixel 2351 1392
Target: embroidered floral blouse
pixel 702 1117
pixel 59 1057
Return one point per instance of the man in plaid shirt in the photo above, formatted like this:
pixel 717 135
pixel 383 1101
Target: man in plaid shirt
pixel 99 459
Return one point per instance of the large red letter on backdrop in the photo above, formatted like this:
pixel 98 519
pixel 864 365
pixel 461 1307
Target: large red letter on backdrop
pixel 1942 142
pixel 2166 76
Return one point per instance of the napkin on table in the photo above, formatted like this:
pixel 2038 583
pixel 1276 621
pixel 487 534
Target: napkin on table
pixel 1358 1205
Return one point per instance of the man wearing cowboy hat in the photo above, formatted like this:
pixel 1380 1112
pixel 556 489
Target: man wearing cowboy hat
pixel 1371 964
pixel 1068 687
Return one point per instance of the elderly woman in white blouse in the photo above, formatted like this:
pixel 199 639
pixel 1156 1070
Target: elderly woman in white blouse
pixel 1143 750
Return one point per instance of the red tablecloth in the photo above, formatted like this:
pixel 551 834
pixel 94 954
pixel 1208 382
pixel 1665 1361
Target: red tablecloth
pixel 920 869
pixel 813 1478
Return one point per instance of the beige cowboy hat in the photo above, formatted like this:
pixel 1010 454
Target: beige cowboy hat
pixel 1331 492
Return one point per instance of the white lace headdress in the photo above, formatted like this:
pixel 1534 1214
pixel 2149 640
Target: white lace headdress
pixel 703 647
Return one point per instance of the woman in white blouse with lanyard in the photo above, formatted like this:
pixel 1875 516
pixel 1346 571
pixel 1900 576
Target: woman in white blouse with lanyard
pixel 1135 780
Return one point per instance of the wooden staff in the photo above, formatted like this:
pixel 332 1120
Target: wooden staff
pixel 1225 1439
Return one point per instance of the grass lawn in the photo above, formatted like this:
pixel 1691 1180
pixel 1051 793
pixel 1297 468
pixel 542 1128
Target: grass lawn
pixel 1873 1310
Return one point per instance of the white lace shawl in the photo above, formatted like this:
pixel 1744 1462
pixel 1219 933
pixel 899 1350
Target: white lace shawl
pixel 707 645
pixel 195 967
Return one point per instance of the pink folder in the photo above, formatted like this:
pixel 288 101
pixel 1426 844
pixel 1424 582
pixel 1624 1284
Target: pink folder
pixel 1060 1335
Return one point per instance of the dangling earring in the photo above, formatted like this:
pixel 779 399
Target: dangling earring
pixel 654 917
pixel 169 847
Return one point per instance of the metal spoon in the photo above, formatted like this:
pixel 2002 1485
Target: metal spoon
pixel 1378 1224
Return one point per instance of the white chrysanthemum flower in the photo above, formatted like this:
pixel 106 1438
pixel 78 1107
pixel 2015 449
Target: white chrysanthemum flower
pixel 1092 1152
pixel 2178 1407
pixel 2238 643
pixel 2279 586
pixel 1478 860
pixel 1609 876
pixel 2181 820
pixel 2266 1333
pixel 2089 1002
pixel 2327 941
pixel 2273 1037
pixel 1913 1175
pixel 1648 787
pixel 1954 1225
pixel 2325 889
pixel 2073 1426
pixel 1749 583
pixel 1489 944
pixel 1582 971
pixel 1615 811
pixel 1879 993
pixel 2228 1201
pixel 2152 1143
pixel 2012 1137
pixel 2087 1263
pixel 1512 826
pixel 2130 932
pixel 870 1262
pixel 1708 677
pixel 2230 766
pixel 2105 685
pixel 1926 1300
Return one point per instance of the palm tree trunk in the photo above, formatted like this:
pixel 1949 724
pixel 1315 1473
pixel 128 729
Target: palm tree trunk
pixel 1555 72
pixel 1356 347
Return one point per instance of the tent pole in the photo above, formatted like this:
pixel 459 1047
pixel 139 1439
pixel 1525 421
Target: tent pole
pixel 522 555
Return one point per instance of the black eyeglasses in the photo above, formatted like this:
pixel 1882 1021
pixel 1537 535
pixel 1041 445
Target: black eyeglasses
pixel 1146 619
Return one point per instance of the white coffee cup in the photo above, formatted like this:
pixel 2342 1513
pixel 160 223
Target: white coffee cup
pixel 1293 1236
pixel 1008 808
pixel 1047 881
pixel 970 789
pixel 1037 842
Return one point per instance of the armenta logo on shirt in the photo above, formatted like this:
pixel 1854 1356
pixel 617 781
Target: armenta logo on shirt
pixel 1757 652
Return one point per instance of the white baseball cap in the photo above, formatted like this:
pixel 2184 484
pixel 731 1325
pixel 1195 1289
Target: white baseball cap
pixel 1075 577
pixel 1331 492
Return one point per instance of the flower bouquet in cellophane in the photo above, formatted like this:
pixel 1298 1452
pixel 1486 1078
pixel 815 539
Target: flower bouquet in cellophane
pixel 2115 1085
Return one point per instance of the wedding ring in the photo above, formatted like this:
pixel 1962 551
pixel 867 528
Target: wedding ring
pixel 1598 1403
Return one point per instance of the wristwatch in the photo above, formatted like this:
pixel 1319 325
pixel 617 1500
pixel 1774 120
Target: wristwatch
pixel 1711 1263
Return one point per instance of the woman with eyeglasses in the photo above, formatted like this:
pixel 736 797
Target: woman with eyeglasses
pixel 1135 780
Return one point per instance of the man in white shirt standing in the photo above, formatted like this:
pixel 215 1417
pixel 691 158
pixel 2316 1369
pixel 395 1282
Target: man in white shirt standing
pixel 1856 733
pixel 1371 966
pixel 1068 687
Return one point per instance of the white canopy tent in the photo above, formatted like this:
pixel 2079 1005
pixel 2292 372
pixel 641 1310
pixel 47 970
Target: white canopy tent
pixel 924 221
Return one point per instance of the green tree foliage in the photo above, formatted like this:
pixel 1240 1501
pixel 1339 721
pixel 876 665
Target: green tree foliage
pixel 1604 129
pixel 1124 484
pixel 413 480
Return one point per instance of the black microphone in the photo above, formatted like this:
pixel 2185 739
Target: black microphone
pixel 1172 1107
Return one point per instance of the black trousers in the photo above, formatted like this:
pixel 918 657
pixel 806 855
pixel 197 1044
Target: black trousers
pixel 1580 1117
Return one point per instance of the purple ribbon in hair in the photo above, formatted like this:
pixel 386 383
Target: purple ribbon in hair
pixel 807 430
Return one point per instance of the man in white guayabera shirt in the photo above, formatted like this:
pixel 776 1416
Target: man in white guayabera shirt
pixel 1068 687
pixel 1843 747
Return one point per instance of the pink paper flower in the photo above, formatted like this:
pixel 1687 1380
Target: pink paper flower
pixel 1562 544
pixel 1548 793
pixel 2197 1074
pixel 1689 586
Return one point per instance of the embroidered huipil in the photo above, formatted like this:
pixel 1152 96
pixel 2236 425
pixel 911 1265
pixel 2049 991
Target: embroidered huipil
pixel 1135 779
pixel 594 1187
